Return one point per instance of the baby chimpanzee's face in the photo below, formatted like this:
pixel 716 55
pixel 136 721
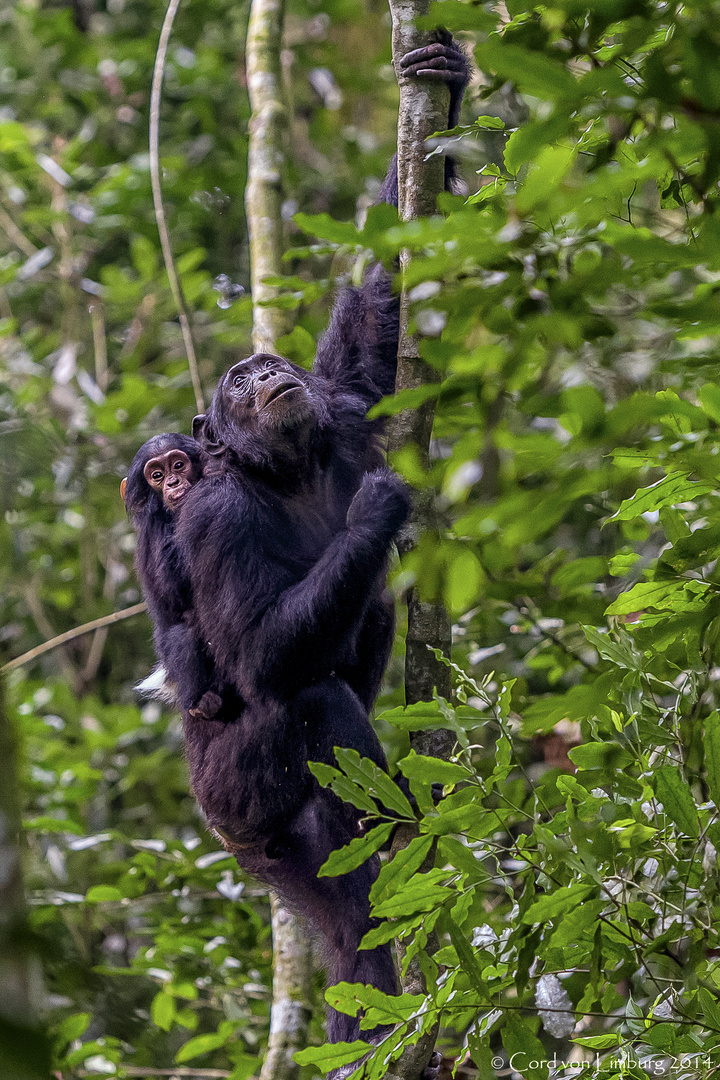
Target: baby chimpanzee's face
pixel 171 475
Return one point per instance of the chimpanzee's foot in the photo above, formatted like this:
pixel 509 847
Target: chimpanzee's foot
pixel 439 61
pixel 207 707
pixel 432 1069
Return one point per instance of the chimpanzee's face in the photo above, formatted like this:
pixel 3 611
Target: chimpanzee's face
pixel 267 391
pixel 171 475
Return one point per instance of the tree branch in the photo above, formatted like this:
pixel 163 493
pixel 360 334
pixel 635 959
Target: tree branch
pixel 77 631
pixel 175 286
pixel 292 954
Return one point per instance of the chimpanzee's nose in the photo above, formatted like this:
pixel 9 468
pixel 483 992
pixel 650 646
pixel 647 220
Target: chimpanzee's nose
pixel 264 375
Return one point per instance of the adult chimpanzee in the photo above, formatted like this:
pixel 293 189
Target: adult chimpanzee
pixel 286 545
pixel 162 473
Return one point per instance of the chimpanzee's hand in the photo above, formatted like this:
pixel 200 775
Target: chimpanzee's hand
pixel 207 707
pixel 381 506
pixel 443 61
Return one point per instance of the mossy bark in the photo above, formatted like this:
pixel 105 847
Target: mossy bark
pixel 423 110
pixel 24 1048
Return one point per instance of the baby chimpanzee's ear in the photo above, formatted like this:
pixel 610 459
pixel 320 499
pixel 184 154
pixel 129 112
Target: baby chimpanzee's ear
pixel 123 488
pixel 203 433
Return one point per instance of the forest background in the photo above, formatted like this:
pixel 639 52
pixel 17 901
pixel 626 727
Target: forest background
pixel 570 303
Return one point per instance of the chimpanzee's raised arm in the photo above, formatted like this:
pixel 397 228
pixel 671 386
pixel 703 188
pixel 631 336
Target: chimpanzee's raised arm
pixel 305 632
pixel 358 351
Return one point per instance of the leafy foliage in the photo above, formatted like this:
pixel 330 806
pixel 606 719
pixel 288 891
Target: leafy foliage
pixel 569 873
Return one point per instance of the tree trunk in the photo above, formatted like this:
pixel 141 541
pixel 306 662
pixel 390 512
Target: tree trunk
pixel 266 159
pixel 292 954
pixel 423 110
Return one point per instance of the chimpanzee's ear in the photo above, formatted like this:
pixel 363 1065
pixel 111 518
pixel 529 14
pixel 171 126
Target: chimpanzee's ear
pixel 203 433
pixel 123 488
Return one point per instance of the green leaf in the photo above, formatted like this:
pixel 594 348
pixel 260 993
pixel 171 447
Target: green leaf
pixel 327 228
pixel 599 1042
pixel 677 800
pixel 464 578
pixel 557 903
pixel 709 396
pixel 420 894
pixel 326 776
pixel 51 824
pixel 422 716
pixel 456 15
pixel 489 123
pixel 675 526
pixel 657 594
pixel 72 1027
pixel 465 954
pixel 331 1055
pixel 162 1010
pixel 201 1044
pixel 387 931
pixel 356 852
pixel 673 488
pixel 545 176
pixel 524 1049
pixel 404 399
pixel 711 745
pixel 622 564
pixel 609 649
pixel 600 755
pixel 99 893
pixel 432 770
pixel 525 143
pixel 531 72
pixel 397 872
pixel 374 780
pixel 377 1007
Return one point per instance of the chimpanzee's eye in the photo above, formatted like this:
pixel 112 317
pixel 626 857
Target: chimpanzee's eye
pixel 178 465
pixel 157 476
pixel 238 381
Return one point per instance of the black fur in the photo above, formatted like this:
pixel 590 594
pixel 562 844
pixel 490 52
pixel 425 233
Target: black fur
pixel 165 582
pixel 286 541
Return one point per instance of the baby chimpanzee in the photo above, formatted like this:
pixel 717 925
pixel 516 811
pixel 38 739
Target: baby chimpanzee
pixel 162 473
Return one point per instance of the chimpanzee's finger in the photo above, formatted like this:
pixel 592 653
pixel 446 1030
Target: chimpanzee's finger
pixel 424 53
pixel 445 75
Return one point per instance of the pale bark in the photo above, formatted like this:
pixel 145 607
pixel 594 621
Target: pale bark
pixel 292 994
pixel 266 160
pixel 292 953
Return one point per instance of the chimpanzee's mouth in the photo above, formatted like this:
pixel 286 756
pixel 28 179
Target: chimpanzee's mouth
pixel 281 391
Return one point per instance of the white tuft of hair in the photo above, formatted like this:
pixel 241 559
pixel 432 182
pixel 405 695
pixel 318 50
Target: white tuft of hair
pixel 158 685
